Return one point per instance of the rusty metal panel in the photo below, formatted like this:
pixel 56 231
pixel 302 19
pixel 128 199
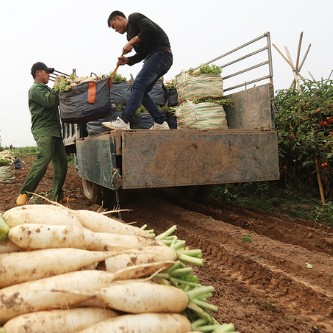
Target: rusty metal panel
pixel 251 109
pixel 96 158
pixel 194 157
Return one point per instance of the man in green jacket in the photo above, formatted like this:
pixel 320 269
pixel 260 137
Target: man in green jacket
pixel 46 130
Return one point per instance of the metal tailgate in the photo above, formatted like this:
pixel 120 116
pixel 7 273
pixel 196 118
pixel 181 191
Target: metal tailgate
pixel 194 157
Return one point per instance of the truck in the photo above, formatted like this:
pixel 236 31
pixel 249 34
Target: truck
pixel 190 158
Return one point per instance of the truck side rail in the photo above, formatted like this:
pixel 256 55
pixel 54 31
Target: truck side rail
pixel 257 54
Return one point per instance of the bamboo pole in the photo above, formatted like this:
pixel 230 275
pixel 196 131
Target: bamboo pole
pixel 302 62
pixel 313 79
pixel 320 184
pixel 289 61
pixel 299 50
pixel 330 75
pixel 294 70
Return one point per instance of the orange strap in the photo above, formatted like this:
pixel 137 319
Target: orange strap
pixel 91 92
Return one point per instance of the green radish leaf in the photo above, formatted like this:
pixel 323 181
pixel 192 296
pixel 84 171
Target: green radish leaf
pixel 4 229
pixel 308 265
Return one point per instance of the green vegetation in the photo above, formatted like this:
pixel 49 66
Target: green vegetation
pixel 32 150
pixel 4 162
pixel 25 150
pixel 304 123
pixel 274 198
pixel 206 69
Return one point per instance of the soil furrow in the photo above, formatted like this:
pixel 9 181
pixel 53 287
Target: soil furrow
pixel 273 274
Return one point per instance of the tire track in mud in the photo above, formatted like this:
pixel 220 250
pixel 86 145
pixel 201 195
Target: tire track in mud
pixel 262 285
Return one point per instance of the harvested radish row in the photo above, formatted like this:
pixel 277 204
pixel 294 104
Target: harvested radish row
pixel 40 214
pixel 20 267
pixel 8 247
pixel 143 323
pixel 85 267
pixel 55 321
pixel 148 254
pixel 56 291
pixel 41 236
pixel 137 296
pixel 38 295
pixel 98 222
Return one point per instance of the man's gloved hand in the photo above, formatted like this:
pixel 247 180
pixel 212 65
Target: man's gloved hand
pixel 56 82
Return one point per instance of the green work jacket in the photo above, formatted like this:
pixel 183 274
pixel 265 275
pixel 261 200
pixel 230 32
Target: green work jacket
pixel 43 106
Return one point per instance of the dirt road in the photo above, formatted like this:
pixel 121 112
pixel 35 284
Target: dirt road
pixel 271 273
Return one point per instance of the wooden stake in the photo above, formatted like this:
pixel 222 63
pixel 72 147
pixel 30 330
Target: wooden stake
pixel 320 184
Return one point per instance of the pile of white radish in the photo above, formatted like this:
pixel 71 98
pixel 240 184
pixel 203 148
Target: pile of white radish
pixel 64 270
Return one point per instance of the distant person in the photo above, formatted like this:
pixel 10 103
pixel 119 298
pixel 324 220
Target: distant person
pixel 46 130
pixel 152 45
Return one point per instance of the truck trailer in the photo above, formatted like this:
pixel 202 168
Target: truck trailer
pixel 247 151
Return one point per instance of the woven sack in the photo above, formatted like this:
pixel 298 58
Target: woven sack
pixel 7 174
pixel 201 116
pixel 193 86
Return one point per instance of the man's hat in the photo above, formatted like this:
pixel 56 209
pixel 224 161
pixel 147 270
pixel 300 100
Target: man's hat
pixel 40 66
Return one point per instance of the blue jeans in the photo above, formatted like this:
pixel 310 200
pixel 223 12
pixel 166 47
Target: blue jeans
pixel 154 67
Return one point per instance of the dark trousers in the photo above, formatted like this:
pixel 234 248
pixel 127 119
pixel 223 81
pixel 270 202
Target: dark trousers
pixel 153 68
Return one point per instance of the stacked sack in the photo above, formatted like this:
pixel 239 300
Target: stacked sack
pixel 119 94
pixel 200 96
pixel 7 167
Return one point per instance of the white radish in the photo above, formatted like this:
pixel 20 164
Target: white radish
pixel 9 247
pixel 20 267
pixel 148 254
pixel 137 296
pixel 143 323
pixel 56 291
pixel 41 214
pixel 55 321
pixel 41 236
pixel 98 222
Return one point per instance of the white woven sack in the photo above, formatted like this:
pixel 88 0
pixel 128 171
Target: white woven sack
pixel 193 86
pixel 201 116
pixel 7 174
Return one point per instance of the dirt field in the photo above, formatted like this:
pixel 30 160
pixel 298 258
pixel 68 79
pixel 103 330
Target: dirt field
pixel 271 273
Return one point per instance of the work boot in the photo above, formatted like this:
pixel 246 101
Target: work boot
pixel 160 126
pixel 22 199
pixel 116 124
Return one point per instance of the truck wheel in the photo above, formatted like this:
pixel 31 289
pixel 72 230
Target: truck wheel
pixel 92 191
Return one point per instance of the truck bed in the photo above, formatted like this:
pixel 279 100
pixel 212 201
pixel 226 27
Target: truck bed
pixel 168 158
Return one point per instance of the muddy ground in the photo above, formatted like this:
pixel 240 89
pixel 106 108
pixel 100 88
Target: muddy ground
pixel 271 273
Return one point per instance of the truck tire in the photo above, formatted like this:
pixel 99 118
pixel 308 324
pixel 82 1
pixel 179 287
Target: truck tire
pixel 92 191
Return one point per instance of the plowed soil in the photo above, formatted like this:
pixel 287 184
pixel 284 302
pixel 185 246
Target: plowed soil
pixel 272 273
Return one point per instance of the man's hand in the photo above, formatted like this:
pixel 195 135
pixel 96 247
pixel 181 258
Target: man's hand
pixel 127 48
pixel 122 61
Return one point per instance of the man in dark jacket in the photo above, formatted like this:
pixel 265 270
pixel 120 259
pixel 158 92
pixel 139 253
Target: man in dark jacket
pixel 46 130
pixel 152 45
